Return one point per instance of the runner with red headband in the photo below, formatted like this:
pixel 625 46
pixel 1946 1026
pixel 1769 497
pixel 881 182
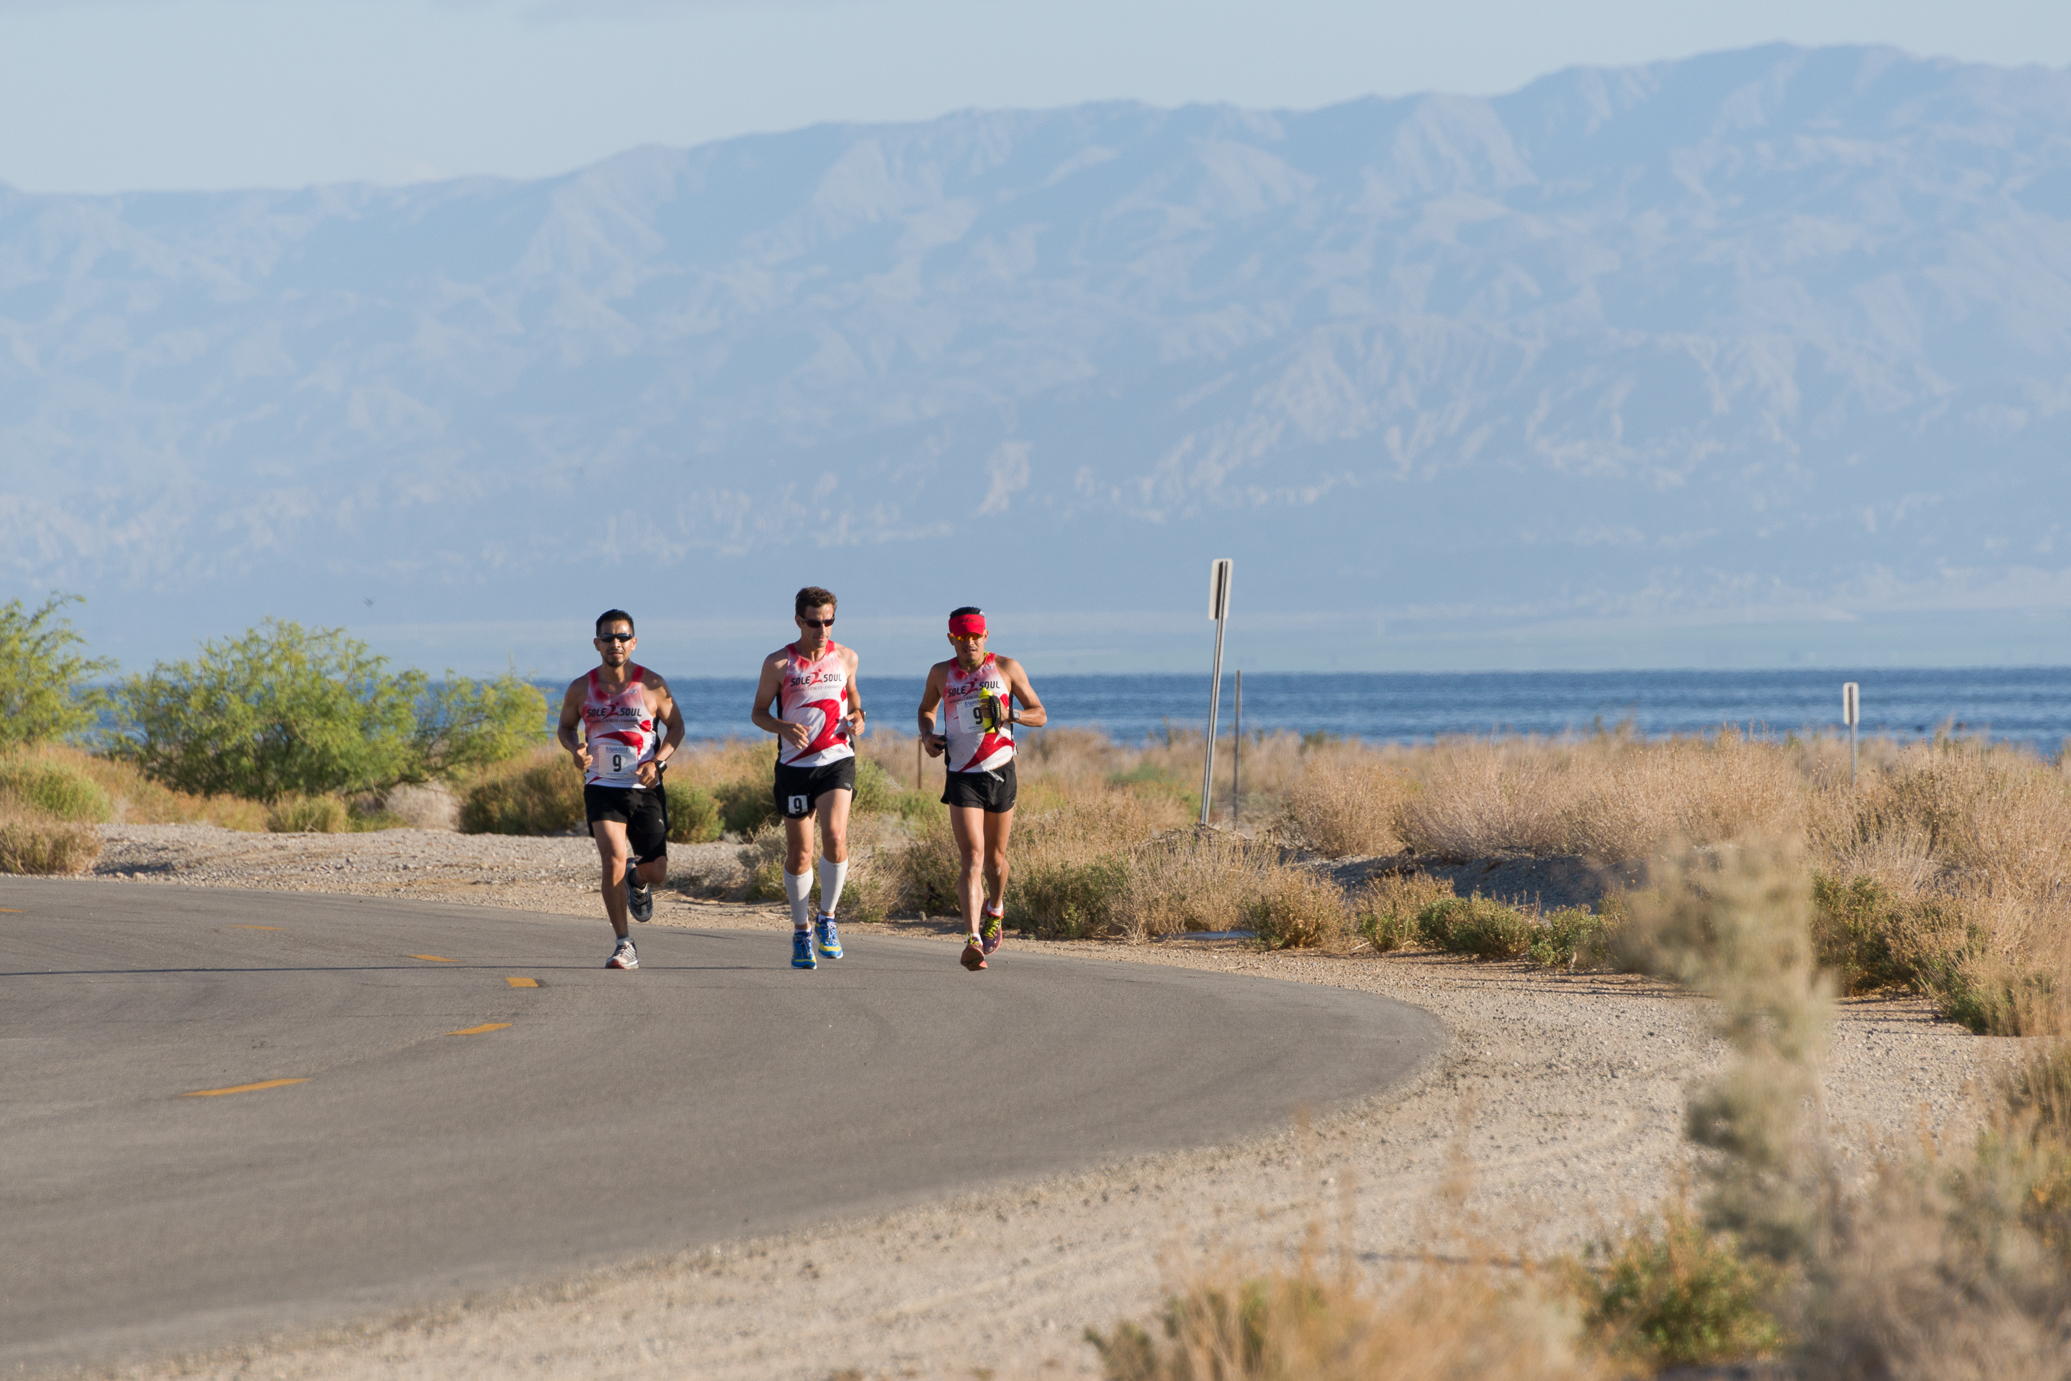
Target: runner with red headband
pixel 977 692
pixel 819 713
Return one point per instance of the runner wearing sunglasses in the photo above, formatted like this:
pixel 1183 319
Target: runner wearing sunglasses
pixel 812 684
pixel 617 707
pixel 977 692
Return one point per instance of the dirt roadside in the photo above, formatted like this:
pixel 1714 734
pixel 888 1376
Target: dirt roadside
pixel 1555 1111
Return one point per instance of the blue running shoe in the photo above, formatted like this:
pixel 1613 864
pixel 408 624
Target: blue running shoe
pixel 802 950
pixel 826 938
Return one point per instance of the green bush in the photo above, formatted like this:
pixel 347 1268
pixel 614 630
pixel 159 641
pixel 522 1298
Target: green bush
pixel 1570 938
pixel 875 790
pixel 693 814
pixel 285 710
pixel 921 808
pixel 296 814
pixel 542 798
pixel 63 793
pixel 1058 901
pixel 1476 925
pixel 1853 925
pixel 44 693
pixel 1680 1296
pixel 746 806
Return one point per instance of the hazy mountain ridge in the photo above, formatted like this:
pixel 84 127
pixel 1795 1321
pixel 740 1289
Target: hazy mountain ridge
pixel 1756 329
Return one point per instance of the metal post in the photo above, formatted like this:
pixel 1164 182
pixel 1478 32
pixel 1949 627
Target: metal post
pixel 1237 758
pixel 1851 712
pixel 1219 610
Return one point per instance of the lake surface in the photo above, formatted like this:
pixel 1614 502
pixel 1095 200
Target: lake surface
pixel 2024 704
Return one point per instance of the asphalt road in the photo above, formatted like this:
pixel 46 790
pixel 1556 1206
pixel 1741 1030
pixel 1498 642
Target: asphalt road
pixel 452 1130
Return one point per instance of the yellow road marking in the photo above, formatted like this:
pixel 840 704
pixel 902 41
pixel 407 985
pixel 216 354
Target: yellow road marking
pixel 484 1027
pixel 258 927
pixel 522 982
pixel 242 1088
pixel 434 958
pixel 10 910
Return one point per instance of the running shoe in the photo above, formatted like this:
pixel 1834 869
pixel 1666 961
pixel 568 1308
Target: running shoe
pixel 802 950
pixel 995 930
pixel 624 957
pixel 826 939
pixel 974 954
pixel 639 898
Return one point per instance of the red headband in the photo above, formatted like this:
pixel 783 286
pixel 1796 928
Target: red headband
pixel 968 625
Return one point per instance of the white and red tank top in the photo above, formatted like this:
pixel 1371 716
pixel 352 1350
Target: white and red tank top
pixel 975 705
pixel 815 694
pixel 620 731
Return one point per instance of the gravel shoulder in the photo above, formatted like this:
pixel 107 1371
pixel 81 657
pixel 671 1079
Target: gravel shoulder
pixel 1554 1113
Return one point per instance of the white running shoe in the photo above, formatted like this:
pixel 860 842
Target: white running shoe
pixel 624 957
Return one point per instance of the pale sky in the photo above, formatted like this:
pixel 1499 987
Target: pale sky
pixel 110 95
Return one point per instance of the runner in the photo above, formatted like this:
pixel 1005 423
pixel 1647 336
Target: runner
pixel 628 812
pixel 977 691
pixel 819 715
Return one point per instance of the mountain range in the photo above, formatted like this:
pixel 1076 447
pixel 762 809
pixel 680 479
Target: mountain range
pixel 1631 364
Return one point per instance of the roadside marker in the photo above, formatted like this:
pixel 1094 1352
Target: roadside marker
pixel 242 1088
pixel 480 1030
pixel 433 958
pixel 258 927
pixel 522 982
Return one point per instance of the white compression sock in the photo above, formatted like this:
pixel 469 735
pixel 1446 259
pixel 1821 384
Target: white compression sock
pixel 832 875
pixel 798 890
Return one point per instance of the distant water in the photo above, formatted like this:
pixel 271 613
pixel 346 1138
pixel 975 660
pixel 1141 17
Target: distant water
pixel 2028 704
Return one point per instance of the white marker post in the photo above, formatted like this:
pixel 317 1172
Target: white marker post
pixel 1851 713
pixel 1219 610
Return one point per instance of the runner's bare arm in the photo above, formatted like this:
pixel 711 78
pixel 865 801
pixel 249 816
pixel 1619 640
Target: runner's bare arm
pixel 665 709
pixel 1031 711
pixel 571 717
pixel 766 691
pixel 929 699
pixel 855 695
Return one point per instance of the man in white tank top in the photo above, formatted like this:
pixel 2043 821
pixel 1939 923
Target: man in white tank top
pixel 819 713
pixel 620 755
pixel 977 691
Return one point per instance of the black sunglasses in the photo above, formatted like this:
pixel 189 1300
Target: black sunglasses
pixel 817 623
pixel 614 637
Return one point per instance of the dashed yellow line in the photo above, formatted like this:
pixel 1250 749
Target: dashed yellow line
pixel 258 927
pixel 432 958
pixel 242 1088
pixel 483 1029
pixel 522 982
pixel 12 911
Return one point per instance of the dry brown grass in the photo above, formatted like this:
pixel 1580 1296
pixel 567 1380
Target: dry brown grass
pixel 137 800
pixel 34 843
pixel 1346 802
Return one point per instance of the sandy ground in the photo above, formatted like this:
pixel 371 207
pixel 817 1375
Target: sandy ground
pixel 1554 1113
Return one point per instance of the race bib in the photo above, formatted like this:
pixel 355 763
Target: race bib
pixel 614 763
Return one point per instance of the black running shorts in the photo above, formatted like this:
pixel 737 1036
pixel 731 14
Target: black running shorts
pixel 643 811
pixel 798 788
pixel 991 792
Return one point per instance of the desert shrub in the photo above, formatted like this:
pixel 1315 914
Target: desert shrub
pixel 297 814
pixel 44 685
pixel 763 859
pixel 135 799
pixel 1301 1325
pixel 1573 937
pixel 1066 900
pixel 39 846
pixel 875 789
pixel 1298 908
pixel 1159 780
pixel 541 795
pixel 1188 880
pixel 1386 909
pixel 746 806
pixel 1345 803
pixel 1476 925
pixel 284 709
pixel 693 814
pixel 1677 1295
pixel 427 806
pixel 55 789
